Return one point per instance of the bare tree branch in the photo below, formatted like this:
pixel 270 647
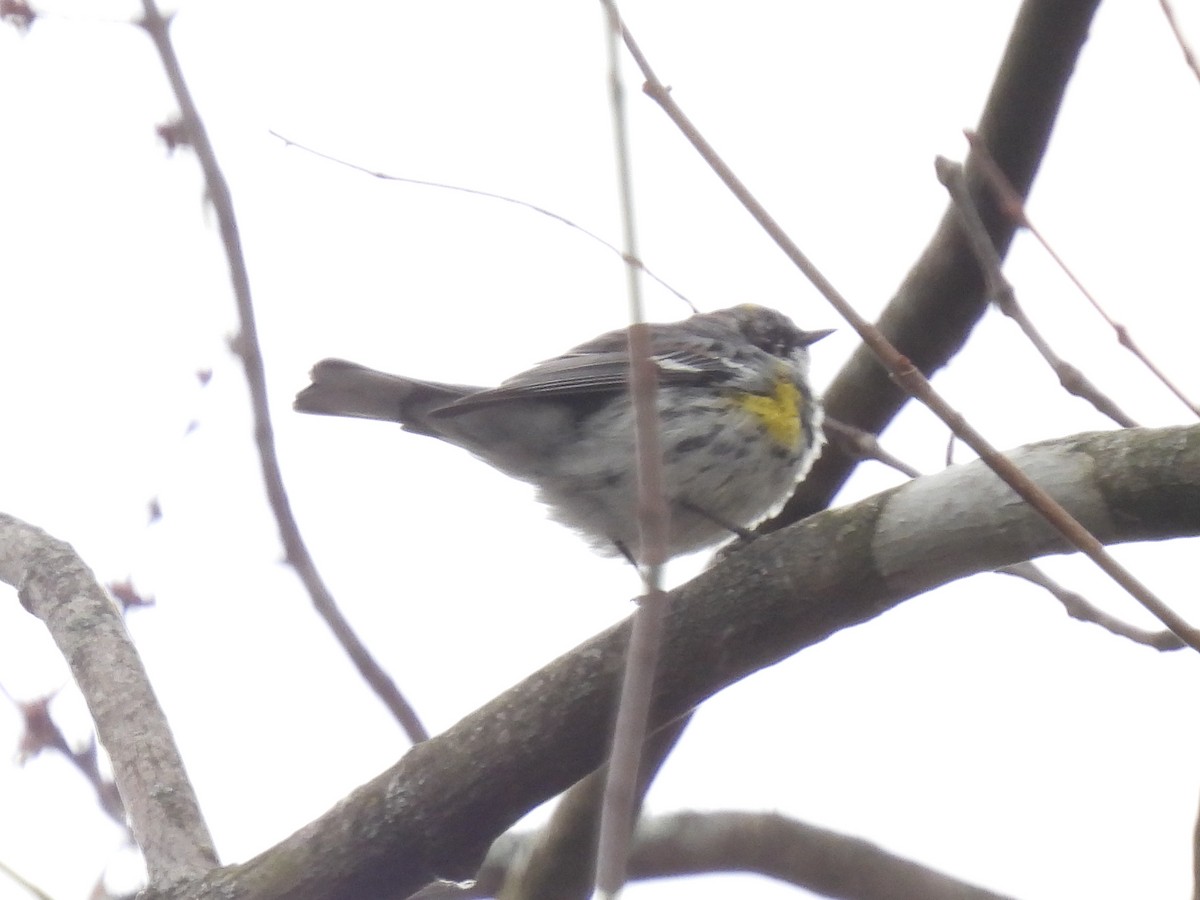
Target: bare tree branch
pixel 822 861
pixel 864 445
pixel 58 588
pixel 826 862
pixel 247 346
pixel 867 446
pixel 1189 55
pixel 24 883
pixel 904 373
pixel 1000 290
pixel 618 808
pixel 1014 207
pixel 941 299
pixel 435 812
pixel 1077 607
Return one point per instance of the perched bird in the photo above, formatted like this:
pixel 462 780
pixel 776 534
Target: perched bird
pixel 739 424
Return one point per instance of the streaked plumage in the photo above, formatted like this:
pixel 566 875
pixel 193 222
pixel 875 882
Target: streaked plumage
pixel 738 420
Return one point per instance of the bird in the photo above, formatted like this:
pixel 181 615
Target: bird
pixel 739 422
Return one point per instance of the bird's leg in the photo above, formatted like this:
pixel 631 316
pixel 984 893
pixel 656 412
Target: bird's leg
pixel 744 533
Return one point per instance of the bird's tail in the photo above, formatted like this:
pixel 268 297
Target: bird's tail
pixel 341 388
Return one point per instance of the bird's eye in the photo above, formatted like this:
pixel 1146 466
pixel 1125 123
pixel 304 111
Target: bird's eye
pixel 780 346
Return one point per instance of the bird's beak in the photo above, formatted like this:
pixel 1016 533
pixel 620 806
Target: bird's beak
pixel 808 338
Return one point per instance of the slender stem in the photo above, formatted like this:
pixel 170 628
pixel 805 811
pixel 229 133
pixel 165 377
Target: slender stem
pixel 489 195
pixel 248 349
pixel 620 791
pixel 953 176
pixel 1010 201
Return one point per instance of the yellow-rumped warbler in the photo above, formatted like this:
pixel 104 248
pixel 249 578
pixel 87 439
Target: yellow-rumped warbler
pixel 739 423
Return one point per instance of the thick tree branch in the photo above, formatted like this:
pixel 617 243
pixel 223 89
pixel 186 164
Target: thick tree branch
pixel 436 811
pixel 58 588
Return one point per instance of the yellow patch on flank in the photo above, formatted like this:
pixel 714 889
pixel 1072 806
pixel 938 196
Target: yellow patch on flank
pixel 779 412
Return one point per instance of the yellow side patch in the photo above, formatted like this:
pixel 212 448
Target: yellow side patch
pixel 779 412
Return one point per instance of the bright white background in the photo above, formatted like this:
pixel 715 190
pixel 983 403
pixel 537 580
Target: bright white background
pixel 976 729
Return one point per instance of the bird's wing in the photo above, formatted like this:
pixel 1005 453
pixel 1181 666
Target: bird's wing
pixel 601 366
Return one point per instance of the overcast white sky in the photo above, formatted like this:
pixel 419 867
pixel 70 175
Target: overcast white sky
pixel 976 729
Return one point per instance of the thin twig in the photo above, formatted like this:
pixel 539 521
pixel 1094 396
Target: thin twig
pixel 1189 56
pixel 621 787
pixel 909 377
pixel 1000 289
pixel 475 192
pixel 1079 608
pixel 1010 201
pixel 32 889
pixel 247 347
pixel 864 445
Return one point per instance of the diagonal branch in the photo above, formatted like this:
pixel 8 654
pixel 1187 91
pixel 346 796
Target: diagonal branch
pixel 1077 607
pixel 1014 208
pixel 904 373
pixel 248 349
pixel 942 298
pixel 1189 55
pixel 1000 290
pixel 24 883
pixel 434 814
